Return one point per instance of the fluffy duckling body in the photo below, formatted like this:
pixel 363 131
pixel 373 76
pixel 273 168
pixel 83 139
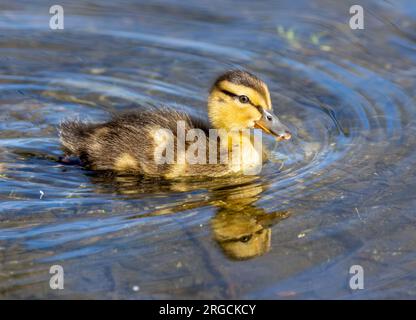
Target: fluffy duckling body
pixel 140 141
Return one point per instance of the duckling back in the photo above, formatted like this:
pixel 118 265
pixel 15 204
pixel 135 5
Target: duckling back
pixel 127 142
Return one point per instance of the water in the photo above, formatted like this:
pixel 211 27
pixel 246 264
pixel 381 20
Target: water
pixel 341 193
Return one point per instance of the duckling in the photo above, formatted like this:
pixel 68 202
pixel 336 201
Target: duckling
pixel 140 141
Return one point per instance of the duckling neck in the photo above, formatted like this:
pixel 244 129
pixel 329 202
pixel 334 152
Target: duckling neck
pixel 244 150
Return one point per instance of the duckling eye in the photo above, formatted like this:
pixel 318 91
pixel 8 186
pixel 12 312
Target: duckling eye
pixel 244 99
pixel 245 238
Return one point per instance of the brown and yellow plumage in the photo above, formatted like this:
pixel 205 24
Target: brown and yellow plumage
pixel 238 100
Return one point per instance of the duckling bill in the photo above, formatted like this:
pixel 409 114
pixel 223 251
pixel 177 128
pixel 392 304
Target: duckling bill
pixel 128 142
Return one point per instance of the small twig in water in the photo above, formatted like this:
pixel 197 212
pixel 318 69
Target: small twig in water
pixel 358 213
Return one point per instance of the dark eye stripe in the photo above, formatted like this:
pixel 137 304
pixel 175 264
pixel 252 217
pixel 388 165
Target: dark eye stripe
pixel 228 93
pixel 233 95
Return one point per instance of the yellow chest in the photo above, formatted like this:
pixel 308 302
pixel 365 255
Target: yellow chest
pixel 245 156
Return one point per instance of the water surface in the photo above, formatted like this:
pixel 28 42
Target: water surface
pixel 341 193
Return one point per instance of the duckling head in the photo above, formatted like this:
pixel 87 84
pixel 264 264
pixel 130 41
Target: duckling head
pixel 239 100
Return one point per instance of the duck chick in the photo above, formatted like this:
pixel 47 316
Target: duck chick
pixel 141 141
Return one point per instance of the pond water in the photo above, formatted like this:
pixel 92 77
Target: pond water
pixel 340 193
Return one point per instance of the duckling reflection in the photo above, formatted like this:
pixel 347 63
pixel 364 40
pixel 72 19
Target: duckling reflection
pixel 244 234
pixel 241 229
